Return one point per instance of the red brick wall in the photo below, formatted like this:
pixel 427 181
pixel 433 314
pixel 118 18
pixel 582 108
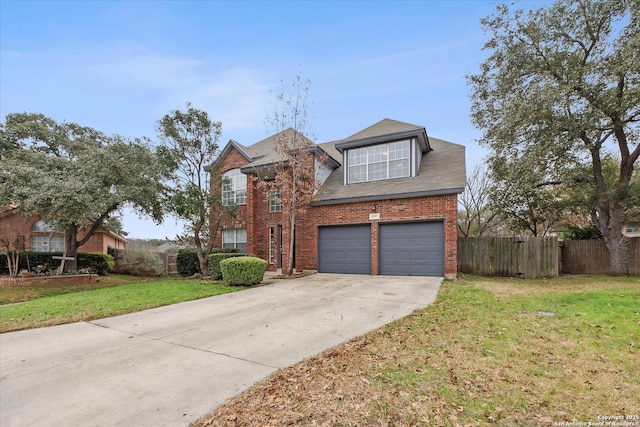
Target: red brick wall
pixel 443 207
pixel 233 160
pixel 12 224
pixel 100 242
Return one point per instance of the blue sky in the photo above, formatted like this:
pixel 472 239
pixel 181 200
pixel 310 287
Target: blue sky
pixel 119 66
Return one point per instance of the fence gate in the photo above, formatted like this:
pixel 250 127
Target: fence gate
pixel 170 261
pixel 527 257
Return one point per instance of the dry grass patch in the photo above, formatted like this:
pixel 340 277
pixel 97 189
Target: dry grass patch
pixel 487 352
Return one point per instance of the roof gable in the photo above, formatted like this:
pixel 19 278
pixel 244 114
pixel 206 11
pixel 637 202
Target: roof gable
pixel 383 127
pixel 386 130
pixel 225 152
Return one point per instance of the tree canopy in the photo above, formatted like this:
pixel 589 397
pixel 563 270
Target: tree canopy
pixel 559 91
pixel 191 141
pixel 77 176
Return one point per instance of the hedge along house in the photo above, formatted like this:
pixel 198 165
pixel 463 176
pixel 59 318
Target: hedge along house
pixel 387 204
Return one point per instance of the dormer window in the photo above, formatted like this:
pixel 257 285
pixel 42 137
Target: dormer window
pixel 377 162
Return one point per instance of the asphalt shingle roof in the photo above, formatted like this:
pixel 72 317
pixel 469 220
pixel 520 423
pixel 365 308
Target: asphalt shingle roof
pixel 383 127
pixel 264 153
pixel 442 170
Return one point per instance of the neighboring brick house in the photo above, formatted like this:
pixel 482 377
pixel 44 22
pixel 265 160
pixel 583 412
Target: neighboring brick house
pixel 36 235
pixel 387 204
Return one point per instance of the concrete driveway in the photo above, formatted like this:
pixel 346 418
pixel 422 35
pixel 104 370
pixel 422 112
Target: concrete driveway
pixel 171 365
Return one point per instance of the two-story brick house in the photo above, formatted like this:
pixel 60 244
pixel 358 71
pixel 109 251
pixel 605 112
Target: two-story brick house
pixel 387 204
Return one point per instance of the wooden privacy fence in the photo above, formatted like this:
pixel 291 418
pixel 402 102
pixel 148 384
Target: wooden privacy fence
pixel 592 257
pixel 527 257
pixel 533 257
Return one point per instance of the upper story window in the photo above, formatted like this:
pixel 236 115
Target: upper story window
pixel 376 162
pixel 234 187
pixel 275 201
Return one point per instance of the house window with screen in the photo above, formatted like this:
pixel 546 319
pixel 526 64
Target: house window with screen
pixel 234 187
pixel 44 238
pixel 377 162
pixel 235 238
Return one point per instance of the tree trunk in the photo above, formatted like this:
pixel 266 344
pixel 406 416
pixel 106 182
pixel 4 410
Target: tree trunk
pixel 618 255
pixel 617 243
pixel 71 249
pixel 203 256
pixel 292 236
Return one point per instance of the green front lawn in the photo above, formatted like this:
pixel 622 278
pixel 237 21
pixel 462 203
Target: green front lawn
pixel 113 295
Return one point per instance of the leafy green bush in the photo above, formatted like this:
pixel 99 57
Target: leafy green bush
pixel 214 262
pixel 187 260
pixel 43 262
pixel 96 262
pixel 139 263
pixel 29 260
pixel 243 270
pixel 576 232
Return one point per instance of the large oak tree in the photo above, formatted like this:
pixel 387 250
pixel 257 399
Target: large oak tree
pixel 77 176
pixel 559 90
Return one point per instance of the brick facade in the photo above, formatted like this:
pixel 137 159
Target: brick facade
pixel 442 207
pixel 14 225
pixel 257 220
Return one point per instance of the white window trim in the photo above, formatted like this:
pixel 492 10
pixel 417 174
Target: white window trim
pixel 366 163
pixel 234 240
pixel 235 189
pixel 275 201
pixel 272 245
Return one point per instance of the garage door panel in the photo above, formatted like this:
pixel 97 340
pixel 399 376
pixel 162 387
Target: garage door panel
pixel 412 249
pixel 344 249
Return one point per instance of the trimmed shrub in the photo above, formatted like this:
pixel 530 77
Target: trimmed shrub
pixel 139 263
pixel 187 260
pixel 214 262
pixel 43 262
pixel 96 262
pixel 243 270
pixel 30 260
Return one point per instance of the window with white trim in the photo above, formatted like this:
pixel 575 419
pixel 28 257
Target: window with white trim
pixel 275 201
pixel 235 238
pixel 44 238
pixel 234 187
pixel 377 162
pixel 47 243
pixel 272 245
